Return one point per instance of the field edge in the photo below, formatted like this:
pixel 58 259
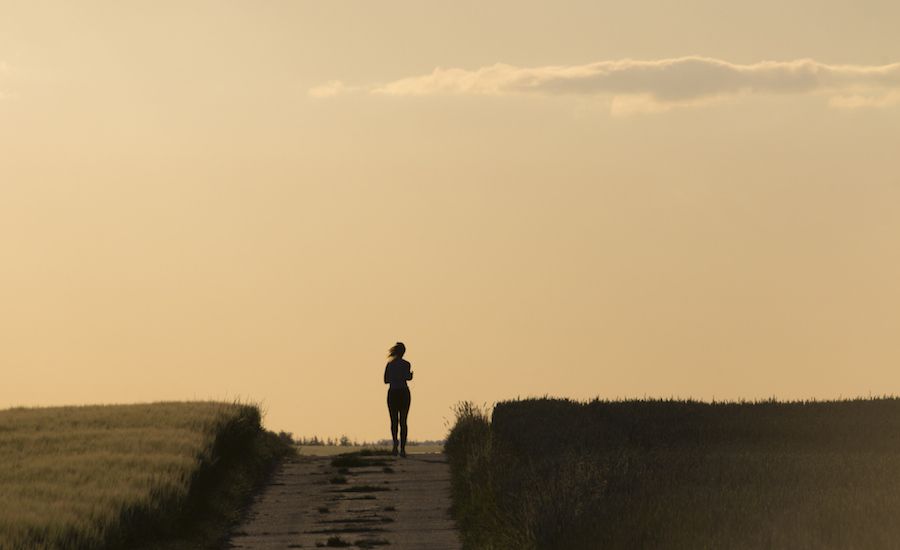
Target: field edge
pixel 470 452
pixel 242 459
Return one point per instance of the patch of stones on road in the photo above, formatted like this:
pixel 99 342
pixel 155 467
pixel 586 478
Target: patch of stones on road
pixel 358 500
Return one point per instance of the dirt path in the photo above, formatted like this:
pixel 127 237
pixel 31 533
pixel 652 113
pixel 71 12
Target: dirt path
pixel 367 502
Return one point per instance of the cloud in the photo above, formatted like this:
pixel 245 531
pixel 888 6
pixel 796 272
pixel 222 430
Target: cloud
pixel 330 89
pixel 651 86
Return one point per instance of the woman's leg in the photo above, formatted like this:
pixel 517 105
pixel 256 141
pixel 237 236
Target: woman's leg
pixel 394 411
pixel 404 413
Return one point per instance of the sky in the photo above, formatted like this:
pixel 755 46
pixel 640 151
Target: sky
pixel 255 200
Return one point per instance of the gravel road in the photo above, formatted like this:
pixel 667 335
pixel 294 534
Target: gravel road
pixel 363 502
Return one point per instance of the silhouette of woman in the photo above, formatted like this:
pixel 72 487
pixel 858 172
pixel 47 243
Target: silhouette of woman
pixel 396 373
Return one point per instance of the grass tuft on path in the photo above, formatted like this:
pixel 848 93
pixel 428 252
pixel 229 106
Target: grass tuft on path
pixel 357 460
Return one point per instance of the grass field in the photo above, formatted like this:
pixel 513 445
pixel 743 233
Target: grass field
pixel 126 476
pixel 547 473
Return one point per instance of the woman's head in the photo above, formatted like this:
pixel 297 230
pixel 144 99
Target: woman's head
pixel 397 351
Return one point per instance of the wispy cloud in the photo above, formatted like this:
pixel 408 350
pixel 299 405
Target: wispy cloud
pixel 656 85
pixel 331 89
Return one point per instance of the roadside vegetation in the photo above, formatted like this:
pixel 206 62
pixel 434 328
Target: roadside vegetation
pixel 558 474
pixel 164 475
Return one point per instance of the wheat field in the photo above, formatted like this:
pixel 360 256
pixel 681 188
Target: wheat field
pixel 109 476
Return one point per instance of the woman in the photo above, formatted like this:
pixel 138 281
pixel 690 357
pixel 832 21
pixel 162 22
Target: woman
pixel 396 373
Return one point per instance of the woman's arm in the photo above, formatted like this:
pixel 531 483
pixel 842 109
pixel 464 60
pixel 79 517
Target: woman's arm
pixel 409 374
pixel 386 373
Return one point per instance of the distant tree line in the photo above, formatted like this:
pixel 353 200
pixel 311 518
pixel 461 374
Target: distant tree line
pixel 344 441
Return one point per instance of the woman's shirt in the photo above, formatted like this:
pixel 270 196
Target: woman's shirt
pixel 397 372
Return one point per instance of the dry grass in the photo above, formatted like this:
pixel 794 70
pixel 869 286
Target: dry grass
pixel 112 476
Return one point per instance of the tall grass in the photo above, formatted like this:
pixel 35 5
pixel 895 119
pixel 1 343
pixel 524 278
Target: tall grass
pixel 547 473
pixel 125 475
pixel 479 483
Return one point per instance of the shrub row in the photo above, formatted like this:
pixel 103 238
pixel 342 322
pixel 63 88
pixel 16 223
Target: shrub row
pixel 550 473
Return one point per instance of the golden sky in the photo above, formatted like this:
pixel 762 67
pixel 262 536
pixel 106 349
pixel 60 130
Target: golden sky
pixel 244 199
